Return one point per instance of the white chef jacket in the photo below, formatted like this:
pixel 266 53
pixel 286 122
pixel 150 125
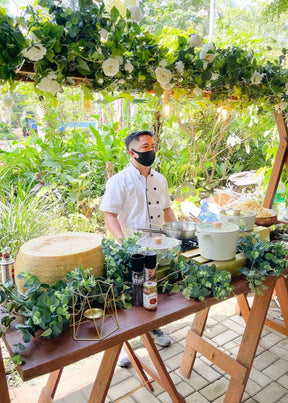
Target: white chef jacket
pixel 138 201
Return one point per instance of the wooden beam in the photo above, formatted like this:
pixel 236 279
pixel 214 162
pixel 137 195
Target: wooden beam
pixel 280 160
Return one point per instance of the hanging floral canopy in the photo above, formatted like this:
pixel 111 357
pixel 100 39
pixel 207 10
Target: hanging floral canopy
pixel 55 46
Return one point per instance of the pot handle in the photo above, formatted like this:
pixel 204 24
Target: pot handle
pixel 204 236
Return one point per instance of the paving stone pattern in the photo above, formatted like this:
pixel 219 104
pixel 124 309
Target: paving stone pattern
pixel 268 382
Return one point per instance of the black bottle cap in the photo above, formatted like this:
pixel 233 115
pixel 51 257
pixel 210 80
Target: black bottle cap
pixel 150 259
pixel 137 262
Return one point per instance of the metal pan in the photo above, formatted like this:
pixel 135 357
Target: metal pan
pixel 182 230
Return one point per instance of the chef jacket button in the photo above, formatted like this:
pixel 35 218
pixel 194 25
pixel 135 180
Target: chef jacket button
pixel 158 215
pixel 151 217
pixel 155 188
pixel 149 202
pixel 157 202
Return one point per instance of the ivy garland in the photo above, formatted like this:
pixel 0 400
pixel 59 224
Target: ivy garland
pixel 115 53
pixel 48 307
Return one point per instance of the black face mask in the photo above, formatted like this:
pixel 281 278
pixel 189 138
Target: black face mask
pixel 146 158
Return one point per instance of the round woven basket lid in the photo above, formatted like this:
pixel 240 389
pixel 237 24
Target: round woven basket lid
pixel 68 243
pixel 49 257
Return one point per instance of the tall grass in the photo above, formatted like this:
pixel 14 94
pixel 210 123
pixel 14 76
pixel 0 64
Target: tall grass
pixel 25 215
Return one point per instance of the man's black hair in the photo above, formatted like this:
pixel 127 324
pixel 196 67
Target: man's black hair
pixel 135 136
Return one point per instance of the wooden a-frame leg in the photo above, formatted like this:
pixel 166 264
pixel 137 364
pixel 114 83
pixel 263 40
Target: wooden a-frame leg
pixel 250 342
pixel 162 376
pixel 105 374
pixel 189 355
pixel 281 291
pixel 4 392
pixel 48 392
pixel 137 365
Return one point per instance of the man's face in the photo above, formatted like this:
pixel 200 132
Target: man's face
pixel 145 143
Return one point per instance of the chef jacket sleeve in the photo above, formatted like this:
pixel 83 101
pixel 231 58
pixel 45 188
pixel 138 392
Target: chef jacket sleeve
pixel 112 200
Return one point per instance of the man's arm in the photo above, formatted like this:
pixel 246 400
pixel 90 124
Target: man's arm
pixel 169 215
pixel 113 226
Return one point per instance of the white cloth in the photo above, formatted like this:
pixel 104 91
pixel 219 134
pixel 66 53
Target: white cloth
pixel 138 201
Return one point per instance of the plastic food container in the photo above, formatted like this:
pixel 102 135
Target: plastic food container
pixel 245 219
pixel 217 240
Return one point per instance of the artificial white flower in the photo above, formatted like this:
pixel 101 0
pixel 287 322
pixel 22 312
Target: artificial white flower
pixel 121 81
pixel 35 52
pixel 179 66
pixel 103 34
pixel 168 86
pixel 136 13
pixel 207 52
pixel 195 41
pixel 49 84
pixel 281 106
pixel 110 67
pixel 99 51
pixel 214 76
pixel 128 67
pixel 163 63
pixel 100 80
pixel 163 75
pixel 119 59
pixel 256 78
pixel 286 89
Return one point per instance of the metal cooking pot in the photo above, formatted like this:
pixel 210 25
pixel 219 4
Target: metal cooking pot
pixel 182 230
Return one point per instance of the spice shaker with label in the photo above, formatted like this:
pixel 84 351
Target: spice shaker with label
pixel 150 297
pixel 150 265
pixel 137 263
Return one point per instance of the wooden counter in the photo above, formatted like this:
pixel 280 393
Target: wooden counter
pixel 44 356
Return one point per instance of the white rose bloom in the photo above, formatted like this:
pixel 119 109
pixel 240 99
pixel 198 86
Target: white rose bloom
pixel 256 78
pixel 214 76
pixel 100 81
pixel 119 59
pixel 34 53
pixel 195 41
pixel 110 67
pixel 128 67
pixel 136 13
pixel 163 75
pixel 179 67
pixel 121 82
pixel 163 63
pixel 168 86
pixel 49 84
pixel 103 34
pixel 207 52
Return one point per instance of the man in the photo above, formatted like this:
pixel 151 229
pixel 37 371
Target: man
pixel 137 197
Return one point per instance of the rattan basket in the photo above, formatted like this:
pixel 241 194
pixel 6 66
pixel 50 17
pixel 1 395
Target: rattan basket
pixel 50 257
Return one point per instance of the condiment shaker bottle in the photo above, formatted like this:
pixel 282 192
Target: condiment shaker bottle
pixel 137 263
pixel 150 265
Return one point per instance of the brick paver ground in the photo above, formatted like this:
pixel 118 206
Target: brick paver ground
pixel 268 382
